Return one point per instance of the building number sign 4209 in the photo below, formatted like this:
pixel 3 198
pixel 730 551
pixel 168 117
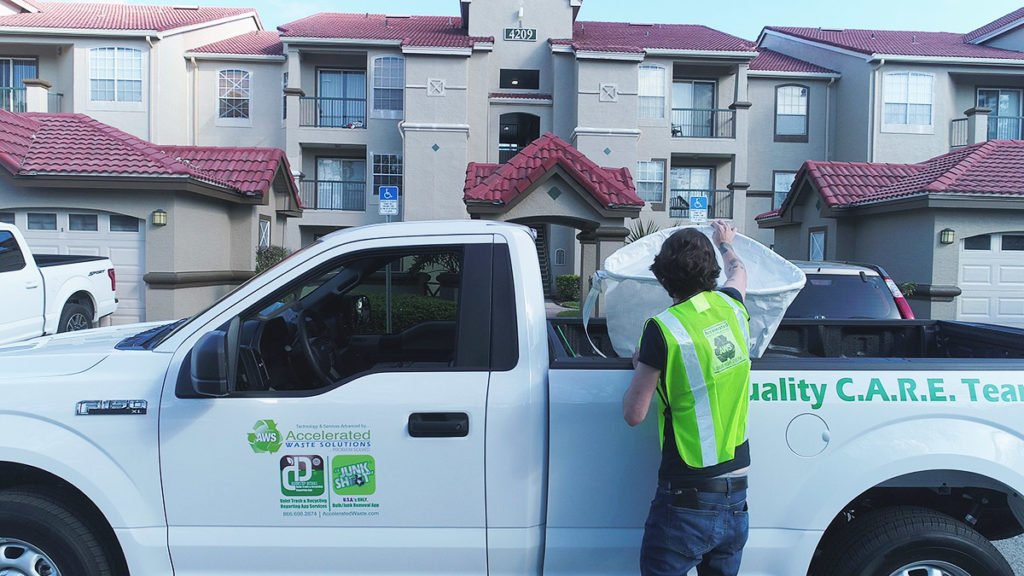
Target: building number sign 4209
pixel 521 34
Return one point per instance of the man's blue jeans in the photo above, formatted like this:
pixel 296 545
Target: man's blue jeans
pixel 702 529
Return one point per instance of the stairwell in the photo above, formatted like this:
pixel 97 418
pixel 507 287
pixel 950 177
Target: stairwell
pixel 542 256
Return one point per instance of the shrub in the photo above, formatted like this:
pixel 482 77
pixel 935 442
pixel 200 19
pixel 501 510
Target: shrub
pixel 267 257
pixel 407 310
pixel 568 287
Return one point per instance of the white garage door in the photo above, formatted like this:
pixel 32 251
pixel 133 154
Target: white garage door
pixel 992 279
pixel 88 233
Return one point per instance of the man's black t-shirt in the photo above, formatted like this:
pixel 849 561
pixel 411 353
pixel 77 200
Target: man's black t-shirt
pixel 653 353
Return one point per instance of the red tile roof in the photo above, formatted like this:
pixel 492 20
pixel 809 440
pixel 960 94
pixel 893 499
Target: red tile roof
pixel 635 38
pixel 772 61
pixel 140 17
pixel 248 170
pixel 74 144
pixel 993 168
pixel 501 183
pixel 900 43
pixel 259 43
pixel 424 31
pixel 994 25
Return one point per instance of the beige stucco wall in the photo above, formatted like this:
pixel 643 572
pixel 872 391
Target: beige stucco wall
pixel 265 126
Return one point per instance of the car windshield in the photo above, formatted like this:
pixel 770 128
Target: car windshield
pixel 844 296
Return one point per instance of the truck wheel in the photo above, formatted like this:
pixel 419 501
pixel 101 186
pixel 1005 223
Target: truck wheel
pixel 42 536
pixel 74 317
pixel 911 541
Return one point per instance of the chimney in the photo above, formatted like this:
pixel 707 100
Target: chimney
pixel 37 95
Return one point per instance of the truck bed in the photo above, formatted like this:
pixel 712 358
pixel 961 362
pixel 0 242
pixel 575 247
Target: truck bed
pixel 47 260
pixel 882 340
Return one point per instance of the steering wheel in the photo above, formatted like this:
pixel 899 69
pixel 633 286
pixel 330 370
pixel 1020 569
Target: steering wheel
pixel 317 350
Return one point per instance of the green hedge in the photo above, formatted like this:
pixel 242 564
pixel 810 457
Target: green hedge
pixel 568 287
pixel 267 257
pixel 407 310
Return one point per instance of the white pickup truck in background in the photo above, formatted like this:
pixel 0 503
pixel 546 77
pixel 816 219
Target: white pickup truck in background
pixel 47 294
pixel 392 400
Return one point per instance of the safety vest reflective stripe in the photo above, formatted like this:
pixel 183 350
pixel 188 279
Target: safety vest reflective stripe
pixel 698 388
pixel 740 316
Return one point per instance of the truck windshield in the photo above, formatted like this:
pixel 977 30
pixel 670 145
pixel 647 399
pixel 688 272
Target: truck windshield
pixel 844 296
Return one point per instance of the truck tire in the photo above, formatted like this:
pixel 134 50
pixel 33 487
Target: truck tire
pixel 42 536
pixel 74 317
pixel 911 541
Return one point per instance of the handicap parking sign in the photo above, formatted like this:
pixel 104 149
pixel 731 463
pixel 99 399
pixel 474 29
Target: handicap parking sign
pixel 698 209
pixel 388 200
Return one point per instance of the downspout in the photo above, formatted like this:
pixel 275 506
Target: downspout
pixel 193 102
pixel 828 117
pixel 152 90
pixel 874 88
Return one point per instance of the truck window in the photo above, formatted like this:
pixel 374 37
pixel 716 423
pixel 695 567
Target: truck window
pixel 844 296
pixel 11 258
pixel 394 310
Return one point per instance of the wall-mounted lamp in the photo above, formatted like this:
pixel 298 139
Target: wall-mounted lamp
pixel 947 236
pixel 520 13
pixel 159 218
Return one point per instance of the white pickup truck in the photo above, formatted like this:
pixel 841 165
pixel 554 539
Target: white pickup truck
pixel 46 294
pixel 392 400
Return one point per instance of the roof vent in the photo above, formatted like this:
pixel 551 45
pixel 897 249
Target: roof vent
pixel 832 29
pixel 872 35
pixel 913 40
pixel 189 7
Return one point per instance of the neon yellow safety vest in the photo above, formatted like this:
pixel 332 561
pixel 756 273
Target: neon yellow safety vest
pixel 706 377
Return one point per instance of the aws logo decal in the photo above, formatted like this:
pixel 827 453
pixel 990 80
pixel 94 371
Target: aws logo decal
pixel 265 437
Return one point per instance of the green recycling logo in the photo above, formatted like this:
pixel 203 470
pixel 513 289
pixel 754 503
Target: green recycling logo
pixel 724 349
pixel 264 437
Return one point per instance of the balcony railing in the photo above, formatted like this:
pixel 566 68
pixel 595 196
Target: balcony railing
pixel 958 133
pixel 332 112
pixel 12 99
pixel 719 203
pixel 703 123
pixel 507 151
pixel 333 195
pixel 54 102
pixel 1005 127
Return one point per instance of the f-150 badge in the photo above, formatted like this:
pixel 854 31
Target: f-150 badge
pixel 111 408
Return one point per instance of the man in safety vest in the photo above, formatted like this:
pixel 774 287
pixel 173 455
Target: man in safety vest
pixel 694 355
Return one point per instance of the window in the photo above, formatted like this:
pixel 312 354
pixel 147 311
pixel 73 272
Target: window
pixel 284 97
pixel 652 91
pixel 264 233
pixel 83 222
pixel 233 94
pixel 341 98
pixel 519 79
pixel 816 244
pixel 686 182
pixel 387 171
pixel 341 184
pixel 791 114
pixel 693 109
pixel 1005 121
pixel 908 99
pixel 560 257
pixel 388 86
pixel 650 180
pixel 1013 242
pixel 10 255
pixel 13 73
pixel 982 243
pixel 782 182
pixel 42 221
pixel 7 217
pixel 844 296
pixel 123 224
pixel 115 75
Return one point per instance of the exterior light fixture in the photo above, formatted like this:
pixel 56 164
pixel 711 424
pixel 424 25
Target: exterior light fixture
pixel 947 236
pixel 159 218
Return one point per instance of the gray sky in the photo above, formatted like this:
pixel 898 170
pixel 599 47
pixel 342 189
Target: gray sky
pixel 743 18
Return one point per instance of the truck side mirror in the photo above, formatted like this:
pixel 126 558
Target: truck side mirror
pixel 210 364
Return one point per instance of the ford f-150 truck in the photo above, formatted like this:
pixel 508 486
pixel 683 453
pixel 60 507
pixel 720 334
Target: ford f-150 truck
pixel 392 400
pixel 46 294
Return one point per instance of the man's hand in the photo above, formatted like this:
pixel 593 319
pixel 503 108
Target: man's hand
pixel 735 271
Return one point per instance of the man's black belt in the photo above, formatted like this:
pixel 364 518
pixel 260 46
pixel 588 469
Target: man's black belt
pixel 717 485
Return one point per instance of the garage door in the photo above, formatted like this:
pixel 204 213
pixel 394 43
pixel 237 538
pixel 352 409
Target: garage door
pixel 992 279
pixel 86 233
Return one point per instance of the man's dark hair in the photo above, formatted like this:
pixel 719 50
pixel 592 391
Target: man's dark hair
pixel 686 264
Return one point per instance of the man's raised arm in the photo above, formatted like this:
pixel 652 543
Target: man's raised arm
pixel 735 271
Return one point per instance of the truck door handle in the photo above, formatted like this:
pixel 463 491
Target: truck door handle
pixel 31 285
pixel 439 425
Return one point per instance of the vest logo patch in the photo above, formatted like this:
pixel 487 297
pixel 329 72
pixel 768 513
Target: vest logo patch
pixel 724 346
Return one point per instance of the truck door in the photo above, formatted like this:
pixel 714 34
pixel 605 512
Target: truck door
pixel 350 436
pixel 22 293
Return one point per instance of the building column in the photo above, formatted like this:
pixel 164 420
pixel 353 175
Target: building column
pixel 977 125
pixel 37 95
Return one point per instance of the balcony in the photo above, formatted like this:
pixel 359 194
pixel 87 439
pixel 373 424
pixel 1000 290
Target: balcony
pixel 703 123
pixel 332 112
pixel 719 203
pixel 333 195
pixel 13 100
pixel 999 128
